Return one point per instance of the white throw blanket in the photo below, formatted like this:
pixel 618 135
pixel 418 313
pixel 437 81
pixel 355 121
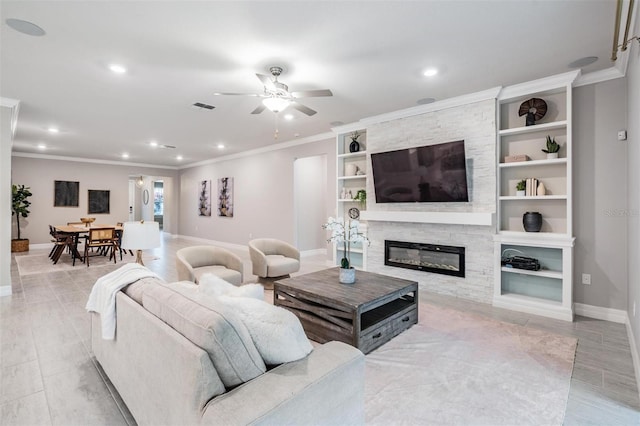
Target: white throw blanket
pixel 103 294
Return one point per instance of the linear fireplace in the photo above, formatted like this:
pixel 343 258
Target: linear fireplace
pixel 447 260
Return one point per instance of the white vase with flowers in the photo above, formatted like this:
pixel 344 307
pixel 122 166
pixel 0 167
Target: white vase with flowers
pixel 345 233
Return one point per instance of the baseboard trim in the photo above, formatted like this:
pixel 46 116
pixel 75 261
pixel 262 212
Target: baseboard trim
pixel 314 252
pixel 634 350
pixel 598 312
pixel 5 290
pixel 214 242
pixel 40 246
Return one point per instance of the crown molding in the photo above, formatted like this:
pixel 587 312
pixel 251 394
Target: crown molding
pixel 598 76
pixel 540 85
pixel 89 160
pixel 435 106
pixel 276 147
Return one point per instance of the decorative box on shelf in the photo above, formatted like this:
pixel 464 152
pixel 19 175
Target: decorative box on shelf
pixel 516 158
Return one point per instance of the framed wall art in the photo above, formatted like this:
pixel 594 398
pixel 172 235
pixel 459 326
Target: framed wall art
pixel 225 197
pixel 204 198
pixel 98 201
pixel 66 193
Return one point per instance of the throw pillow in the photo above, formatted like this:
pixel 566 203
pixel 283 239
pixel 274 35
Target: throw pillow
pixel 275 331
pixel 212 326
pixel 215 286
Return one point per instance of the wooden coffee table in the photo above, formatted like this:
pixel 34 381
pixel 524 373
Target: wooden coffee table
pixel 366 314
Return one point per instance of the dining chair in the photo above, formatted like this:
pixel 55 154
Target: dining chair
pixel 101 238
pixel 60 240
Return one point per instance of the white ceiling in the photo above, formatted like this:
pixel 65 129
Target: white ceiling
pixel 370 54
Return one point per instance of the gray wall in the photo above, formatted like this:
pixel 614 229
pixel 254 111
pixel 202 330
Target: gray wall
pixel 633 179
pixel 40 174
pixel 263 194
pixel 310 201
pixel 600 194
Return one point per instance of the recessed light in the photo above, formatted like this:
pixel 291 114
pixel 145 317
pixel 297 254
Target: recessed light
pixel 220 146
pixel 336 123
pixel 53 130
pixel 118 69
pixel 583 62
pixel 42 146
pixel 125 155
pixel 153 144
pixel 430 72
pixel 425 101
pixel 288 117
pixel 25 27
pixel 179 157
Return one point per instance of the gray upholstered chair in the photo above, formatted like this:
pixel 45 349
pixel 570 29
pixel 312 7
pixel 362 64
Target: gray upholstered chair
pixel 272 259
pixel 194 261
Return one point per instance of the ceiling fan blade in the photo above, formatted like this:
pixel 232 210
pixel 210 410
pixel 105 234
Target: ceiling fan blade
pixel 235 94
pixel 259 109
pixel 266 80
pixel 312 93
pixel 303 109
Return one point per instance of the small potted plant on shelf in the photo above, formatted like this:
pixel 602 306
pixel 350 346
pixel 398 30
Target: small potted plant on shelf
pixel 520 188
pixel 345 233
pixel 361 197
pixel 20 208
pixel 552 148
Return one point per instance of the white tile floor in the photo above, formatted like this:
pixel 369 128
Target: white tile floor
pixel 48 374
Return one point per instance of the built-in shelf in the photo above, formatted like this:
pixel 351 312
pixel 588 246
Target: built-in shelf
pixel 447 218
pixel 532 197
pixel 352 250
pixel 534 128
pixel 352 177
pixel 347 200
pixel 531 163
pixel 541 273
pixel 353 154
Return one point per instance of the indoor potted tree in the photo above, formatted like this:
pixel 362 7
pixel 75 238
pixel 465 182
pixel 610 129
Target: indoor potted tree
pixel 552 148
pixel 20 208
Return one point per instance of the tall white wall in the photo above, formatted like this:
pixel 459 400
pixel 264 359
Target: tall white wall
pixel 633 190
pixel 263 194
pixel 476 124
pixel 7 112
pixel 310 201
pixel 600 207
pixel 40 174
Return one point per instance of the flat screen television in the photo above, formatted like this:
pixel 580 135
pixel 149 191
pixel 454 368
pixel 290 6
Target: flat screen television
pixel 426 174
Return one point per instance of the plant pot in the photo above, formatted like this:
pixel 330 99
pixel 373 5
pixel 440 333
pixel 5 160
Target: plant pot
pixel 18 246
pixel 532 221
pixel 520 193
pixel 347 276
pixel 552 155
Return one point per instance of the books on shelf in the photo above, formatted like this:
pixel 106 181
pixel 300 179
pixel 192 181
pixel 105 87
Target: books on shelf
pixel 534 187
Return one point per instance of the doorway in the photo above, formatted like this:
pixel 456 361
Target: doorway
pixel 310 202
pixel 158 202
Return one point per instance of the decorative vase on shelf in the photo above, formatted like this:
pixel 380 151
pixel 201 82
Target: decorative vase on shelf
pixel 354 146
pixel 532 221
pixel 347 275
pixel 350 170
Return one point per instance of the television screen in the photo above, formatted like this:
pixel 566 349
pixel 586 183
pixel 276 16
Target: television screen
pixel 432 173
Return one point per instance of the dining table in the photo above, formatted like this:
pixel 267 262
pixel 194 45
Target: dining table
pixel 80 229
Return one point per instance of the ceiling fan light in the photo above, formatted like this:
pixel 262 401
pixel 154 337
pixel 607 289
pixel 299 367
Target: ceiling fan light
pixel 275 104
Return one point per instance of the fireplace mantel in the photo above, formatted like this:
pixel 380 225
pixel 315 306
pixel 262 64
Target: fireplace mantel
pixel 448 218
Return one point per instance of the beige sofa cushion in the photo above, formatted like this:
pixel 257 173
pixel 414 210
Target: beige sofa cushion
pixel 136 290
pixel 278 265
pixel 211 326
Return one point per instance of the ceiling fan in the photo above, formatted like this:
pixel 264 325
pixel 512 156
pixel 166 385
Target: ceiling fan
pixel 277 96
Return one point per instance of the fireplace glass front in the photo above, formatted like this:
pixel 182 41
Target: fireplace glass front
pixel 447 260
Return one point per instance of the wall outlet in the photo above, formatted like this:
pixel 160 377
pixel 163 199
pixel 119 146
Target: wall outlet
pixel 586 279
pixel 622 135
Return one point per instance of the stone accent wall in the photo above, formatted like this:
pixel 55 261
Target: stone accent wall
pixel 476 124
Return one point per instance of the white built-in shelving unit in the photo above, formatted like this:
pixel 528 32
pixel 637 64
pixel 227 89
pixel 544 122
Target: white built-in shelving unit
pixel 351 170
pixel 548 291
